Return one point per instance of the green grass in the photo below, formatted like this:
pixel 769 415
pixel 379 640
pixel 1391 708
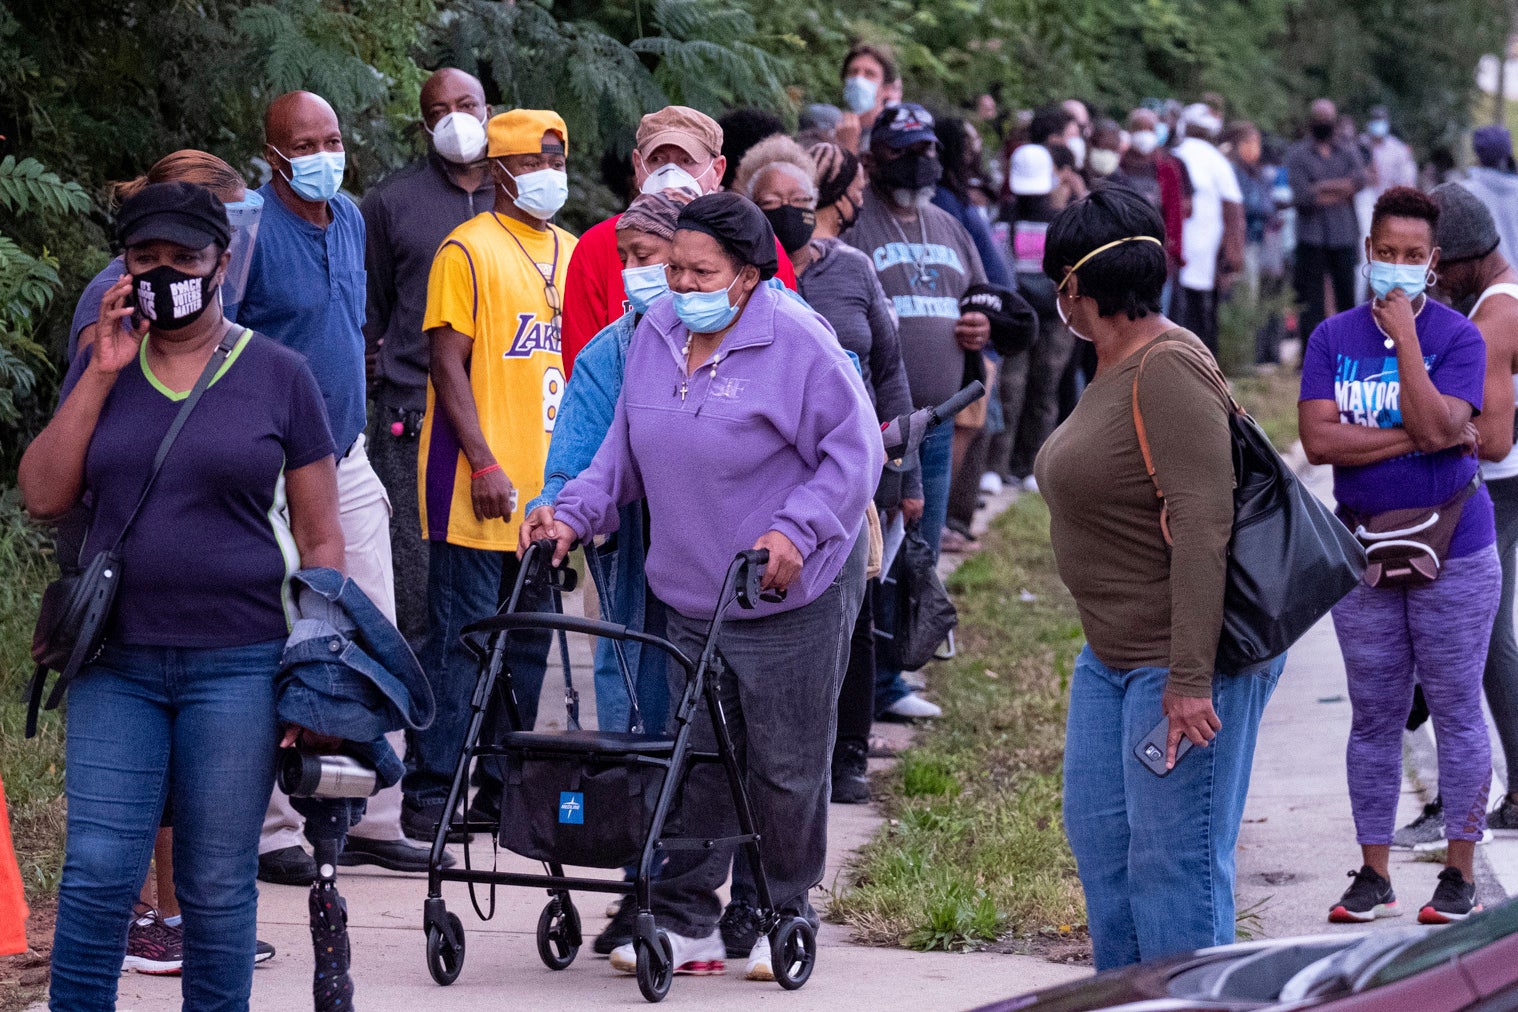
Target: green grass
pixel 33 770
pixel 1272 399
pixel 974 851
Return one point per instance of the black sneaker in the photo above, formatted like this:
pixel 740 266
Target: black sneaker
pixel 419 822
pixel 740 929
pixel 1424 833
pixel 1368 897
pixel 851 772
pixel 620 931
pixel 397 855
pixel 287 866
pixel 1504 816
pixel 262 951
pixel 1454 899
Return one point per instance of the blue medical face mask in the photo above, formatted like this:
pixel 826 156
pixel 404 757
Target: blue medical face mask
pixel 859 94
pixel 1162 132
pixel 706 312
pixel 541 193
pixel 643 285
pixel 1411 278
pixel 316 177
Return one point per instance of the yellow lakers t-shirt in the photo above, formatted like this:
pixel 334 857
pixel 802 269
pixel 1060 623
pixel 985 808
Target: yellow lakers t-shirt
pixel 488 283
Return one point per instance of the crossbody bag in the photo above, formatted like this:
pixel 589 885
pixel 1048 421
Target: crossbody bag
pixel 76 608
pixel 1408 547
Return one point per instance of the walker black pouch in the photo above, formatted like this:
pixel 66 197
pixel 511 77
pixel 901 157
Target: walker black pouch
pixel 1407 548
pixel 578 811
pixel 76 608
pixel 925 613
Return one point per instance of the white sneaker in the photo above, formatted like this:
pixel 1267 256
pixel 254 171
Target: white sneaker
pixel 1030 484
pixel 914 706
pixel 990 483
pixel 760 966
pixel 694 957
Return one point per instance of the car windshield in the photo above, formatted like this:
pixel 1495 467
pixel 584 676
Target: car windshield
pixel 1457 939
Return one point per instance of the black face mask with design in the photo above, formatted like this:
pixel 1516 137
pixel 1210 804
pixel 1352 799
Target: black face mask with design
pixel 910 172
pixel 793 225
pixel 170 298
pixel 1322 131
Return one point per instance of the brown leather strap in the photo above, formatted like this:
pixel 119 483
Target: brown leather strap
pixel 1143 433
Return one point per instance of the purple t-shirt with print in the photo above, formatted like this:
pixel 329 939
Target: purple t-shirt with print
pixel 208 561
pixel 1347 362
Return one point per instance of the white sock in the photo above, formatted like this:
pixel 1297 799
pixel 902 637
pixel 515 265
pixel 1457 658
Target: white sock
pixel 174 921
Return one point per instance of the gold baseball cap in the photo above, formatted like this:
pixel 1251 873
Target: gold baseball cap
pixel 520 132
pixel 691 131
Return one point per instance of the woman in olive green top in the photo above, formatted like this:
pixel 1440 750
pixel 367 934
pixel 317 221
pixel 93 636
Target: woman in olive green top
pixel 1155 853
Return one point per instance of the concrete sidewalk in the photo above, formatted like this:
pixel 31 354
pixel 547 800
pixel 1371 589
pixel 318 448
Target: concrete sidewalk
pixel 1298 839
pixel 501 965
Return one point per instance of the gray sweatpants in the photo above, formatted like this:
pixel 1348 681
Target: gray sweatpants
pixel 1441 630
pixel 778 680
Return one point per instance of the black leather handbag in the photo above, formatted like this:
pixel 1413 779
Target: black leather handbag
pixel 75 608
pixel 1290 559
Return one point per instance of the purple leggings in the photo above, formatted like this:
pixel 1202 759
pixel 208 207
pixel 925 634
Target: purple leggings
pixel 1440 630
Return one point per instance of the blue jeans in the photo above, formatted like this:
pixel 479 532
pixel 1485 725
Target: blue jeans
pixel 617 569
pixel 937 457
pixel 142 722
pixel 1156 854
pixel 465 585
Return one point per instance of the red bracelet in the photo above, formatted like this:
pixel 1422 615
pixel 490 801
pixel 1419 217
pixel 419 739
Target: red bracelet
pixel 475 476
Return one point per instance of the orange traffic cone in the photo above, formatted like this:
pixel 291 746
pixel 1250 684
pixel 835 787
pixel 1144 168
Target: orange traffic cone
pixel 12 898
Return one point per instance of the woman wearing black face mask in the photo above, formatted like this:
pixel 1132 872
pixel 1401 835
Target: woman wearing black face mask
pixel 247 492
pixel 839 282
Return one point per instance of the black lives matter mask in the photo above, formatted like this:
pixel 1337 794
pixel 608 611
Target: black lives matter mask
pixel 171 299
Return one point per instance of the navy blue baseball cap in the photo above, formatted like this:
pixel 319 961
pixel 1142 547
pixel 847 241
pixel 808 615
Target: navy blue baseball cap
pixel 902 125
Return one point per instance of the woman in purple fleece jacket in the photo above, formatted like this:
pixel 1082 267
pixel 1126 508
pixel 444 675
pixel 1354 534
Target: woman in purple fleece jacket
pixel 745 425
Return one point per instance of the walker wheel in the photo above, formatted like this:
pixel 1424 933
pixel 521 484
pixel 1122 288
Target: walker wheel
pixel 655 969
pixel 558 934
pixel 793 948
pixel 444 959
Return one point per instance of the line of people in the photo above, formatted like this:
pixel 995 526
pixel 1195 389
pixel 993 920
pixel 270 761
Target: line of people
pixel 420 385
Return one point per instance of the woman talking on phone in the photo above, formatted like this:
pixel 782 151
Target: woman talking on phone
pixel 246 494
pixel 1154 846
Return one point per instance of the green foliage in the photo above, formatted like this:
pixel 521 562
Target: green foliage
pixel 33 769
pixel 26 186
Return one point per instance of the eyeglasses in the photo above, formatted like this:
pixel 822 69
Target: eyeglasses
pixel 555 300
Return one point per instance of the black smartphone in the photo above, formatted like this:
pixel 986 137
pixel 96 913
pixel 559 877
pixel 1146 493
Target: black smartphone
pixel 1151 749
pixel 136 317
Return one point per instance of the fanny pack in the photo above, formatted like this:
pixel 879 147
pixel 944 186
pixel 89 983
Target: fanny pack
pixel 75 608
pixel 1407 547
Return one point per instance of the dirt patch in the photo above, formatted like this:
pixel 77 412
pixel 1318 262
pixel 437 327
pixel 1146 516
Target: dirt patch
pixel 23 978
pixel 1070 947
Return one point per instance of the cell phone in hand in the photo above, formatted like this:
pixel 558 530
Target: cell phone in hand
pixel 1151 748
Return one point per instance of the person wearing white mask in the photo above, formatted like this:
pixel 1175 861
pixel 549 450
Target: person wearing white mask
pixel 678 152
pixel 406 217
pixel 494 298
pixel 871 81
pixel 305 290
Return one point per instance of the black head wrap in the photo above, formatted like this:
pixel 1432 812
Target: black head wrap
pixel 738 226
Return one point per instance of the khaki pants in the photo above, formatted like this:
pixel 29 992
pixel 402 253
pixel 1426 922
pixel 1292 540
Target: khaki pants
pixel 364 509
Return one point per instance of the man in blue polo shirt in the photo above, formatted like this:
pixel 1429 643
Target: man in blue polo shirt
pixel 306 289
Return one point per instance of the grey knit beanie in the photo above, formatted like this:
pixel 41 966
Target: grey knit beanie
pixel 1466 229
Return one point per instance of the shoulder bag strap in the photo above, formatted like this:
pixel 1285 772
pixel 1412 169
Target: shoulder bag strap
pixel 223 349
pixel 1143 433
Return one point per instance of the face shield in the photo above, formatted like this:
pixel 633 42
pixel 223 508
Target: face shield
pixel 243 216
